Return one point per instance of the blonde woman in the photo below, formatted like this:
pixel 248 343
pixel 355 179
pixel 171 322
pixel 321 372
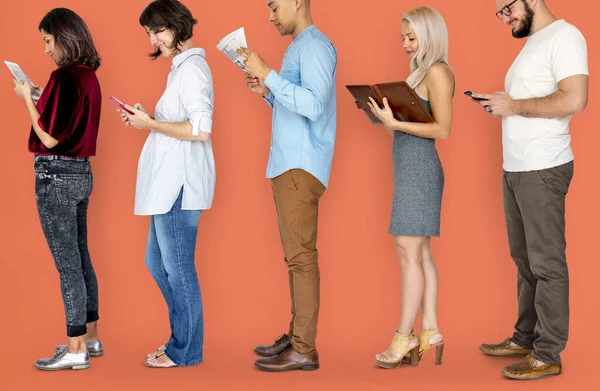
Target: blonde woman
pixel 418 184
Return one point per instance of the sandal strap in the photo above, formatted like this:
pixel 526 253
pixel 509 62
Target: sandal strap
pixel 401 344
pixel 425 335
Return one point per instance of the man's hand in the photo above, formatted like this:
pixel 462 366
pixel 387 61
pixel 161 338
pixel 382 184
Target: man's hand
pixel 256 85
pixel 255 65
pixel 498 104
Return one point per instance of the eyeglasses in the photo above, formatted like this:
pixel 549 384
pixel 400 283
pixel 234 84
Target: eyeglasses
pixel 505 11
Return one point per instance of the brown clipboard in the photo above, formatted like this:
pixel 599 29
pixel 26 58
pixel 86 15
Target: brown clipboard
pixel 403 101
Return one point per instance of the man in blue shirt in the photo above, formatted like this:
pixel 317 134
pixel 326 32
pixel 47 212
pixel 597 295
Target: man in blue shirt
pixel 303 98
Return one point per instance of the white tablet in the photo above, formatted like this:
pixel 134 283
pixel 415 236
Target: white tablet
pixel 21 77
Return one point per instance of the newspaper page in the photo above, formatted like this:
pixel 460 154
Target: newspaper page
pixel 231 43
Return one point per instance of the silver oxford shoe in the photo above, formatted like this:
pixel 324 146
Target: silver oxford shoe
pixel 64 360
pixel 95 348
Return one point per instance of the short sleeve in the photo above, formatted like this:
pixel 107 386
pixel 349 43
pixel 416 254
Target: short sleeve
pixel 569 54
pixel 62 104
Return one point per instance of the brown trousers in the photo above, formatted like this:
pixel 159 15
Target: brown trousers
pixel 297 194
pixel 534 207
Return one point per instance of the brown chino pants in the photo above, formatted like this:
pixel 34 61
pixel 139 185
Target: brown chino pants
pixel 297 194
pixel 534 207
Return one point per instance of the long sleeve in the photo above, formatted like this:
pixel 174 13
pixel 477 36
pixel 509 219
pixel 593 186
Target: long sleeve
pixel 195 92
pixel 317 69
pixel 270 99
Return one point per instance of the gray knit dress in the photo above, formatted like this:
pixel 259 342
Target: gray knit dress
pixel 418 185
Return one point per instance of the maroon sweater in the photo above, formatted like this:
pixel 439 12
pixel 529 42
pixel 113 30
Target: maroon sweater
pixel 70 112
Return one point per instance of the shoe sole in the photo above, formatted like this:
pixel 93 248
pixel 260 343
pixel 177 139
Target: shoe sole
pixel 530 378
pixel 74 367
pixel 389 365
pixel 304 368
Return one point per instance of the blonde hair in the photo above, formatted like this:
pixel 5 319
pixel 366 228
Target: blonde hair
pixel 431 31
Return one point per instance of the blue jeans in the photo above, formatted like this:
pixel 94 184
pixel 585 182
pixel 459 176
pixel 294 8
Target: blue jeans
pixel 170 259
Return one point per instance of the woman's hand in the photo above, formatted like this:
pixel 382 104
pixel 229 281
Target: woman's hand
pixel 385 115
pixel 125 115
pixel 23 90
pixel 37 90
pixel 139 119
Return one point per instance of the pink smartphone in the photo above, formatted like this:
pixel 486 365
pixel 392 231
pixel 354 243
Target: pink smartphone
pixel 120 104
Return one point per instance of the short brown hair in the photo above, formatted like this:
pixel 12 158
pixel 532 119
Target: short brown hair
pixel 170 14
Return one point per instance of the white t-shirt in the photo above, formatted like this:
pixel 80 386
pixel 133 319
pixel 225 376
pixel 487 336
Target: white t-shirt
pixel 554 53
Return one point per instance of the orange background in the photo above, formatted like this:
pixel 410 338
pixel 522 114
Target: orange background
pixel 239 256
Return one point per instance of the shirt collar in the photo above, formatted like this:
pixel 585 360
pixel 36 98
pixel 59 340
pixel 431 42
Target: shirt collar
pixel 181 57
pixel 303 32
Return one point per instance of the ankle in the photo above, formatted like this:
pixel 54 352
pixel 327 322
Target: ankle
pixel 77 345
pixel 91 337
pixel 429 327
pixel 92 331
pixel 402 331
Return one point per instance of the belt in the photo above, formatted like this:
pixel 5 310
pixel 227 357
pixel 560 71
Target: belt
pixel 55 157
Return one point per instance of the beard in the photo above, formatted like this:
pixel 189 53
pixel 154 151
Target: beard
pixel 525 23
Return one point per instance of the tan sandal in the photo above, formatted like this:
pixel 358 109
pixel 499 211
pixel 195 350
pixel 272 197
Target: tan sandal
pixel 171 364
pixel 157 352
pixel 401 346
pixel 424 337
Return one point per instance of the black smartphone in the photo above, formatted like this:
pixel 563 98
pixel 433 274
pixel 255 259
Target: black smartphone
pixel 470 93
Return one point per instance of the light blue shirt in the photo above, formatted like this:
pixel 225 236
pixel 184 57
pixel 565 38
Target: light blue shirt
pixel 303 99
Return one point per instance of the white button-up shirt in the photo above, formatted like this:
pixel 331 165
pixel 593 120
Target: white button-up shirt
pixel 167 164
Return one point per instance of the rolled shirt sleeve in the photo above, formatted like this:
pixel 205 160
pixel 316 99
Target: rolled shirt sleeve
pixel 196 94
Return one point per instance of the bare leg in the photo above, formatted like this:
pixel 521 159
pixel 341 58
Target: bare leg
pixel 409 250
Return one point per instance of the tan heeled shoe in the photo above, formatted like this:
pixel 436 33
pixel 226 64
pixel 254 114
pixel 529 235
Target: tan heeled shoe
pixel 402 349
pixel 424 337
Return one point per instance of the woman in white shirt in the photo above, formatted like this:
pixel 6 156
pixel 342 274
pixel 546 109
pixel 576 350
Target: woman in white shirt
pixel 176 177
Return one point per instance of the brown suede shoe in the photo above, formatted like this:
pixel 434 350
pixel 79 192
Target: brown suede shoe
pixel 289 360
pixel 279 346
pixel 504 349
pixel 527 370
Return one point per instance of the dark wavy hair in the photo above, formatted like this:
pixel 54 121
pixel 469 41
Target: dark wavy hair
pixel 170 14
pixel 72 37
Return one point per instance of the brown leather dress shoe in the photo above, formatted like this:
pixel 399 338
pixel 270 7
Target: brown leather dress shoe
pixel 279 346
pixel 289 360
pixel 504 349
pixel 527 370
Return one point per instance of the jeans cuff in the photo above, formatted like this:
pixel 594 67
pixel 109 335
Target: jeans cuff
pixel 92 316
pixel 76 331
pixel 180 363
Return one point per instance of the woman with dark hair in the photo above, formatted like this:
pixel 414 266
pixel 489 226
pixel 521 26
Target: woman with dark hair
pixel 176 177
pixel 63 137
